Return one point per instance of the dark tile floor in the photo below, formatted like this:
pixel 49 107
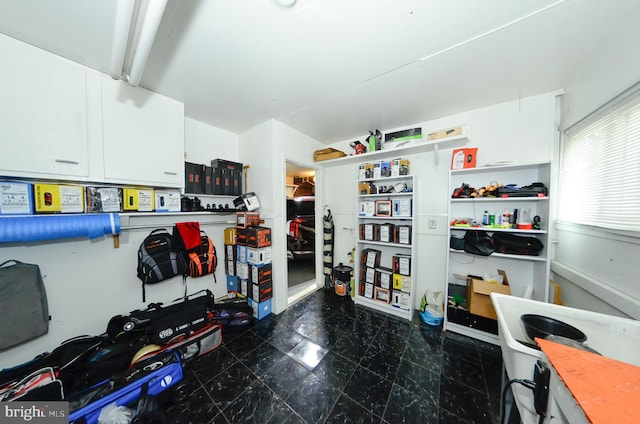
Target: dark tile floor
pixel 325 360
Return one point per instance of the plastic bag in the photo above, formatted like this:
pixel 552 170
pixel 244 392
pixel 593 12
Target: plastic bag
pixel 114 414
pixel 431 310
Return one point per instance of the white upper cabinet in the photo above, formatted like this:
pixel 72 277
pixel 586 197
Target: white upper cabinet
pixel 143 136
pixel 43 117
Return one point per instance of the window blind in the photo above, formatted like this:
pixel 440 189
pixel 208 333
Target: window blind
pixel 599 181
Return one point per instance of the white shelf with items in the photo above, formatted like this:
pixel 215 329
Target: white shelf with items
pixel 416 146
pixel 375 284
pixel 528 274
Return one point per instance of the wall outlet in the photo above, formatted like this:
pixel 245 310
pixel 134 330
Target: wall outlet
pixel 432 223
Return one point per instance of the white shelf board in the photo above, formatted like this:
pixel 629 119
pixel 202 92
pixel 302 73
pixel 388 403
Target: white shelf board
pixel 472 332
pixel 384 243
pixel 503 255
pixel 414 147
pixel 497 230
pixel 383 307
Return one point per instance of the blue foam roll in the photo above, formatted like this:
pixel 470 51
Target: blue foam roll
pixel 51 227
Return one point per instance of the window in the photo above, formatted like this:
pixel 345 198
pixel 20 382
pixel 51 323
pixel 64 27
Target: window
pixel 600 169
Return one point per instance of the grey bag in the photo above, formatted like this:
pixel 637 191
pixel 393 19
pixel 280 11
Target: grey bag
pixel 23 302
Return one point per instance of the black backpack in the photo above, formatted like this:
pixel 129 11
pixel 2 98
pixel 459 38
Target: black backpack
pixel 159 260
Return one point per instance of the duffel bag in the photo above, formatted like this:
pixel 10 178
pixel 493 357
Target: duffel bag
pixel 516 245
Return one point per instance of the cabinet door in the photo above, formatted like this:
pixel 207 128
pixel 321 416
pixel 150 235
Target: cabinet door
pixel 43 123
pixel 143 136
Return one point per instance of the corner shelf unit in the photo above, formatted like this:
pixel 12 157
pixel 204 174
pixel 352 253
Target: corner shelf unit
pixel 402 299
pixel 528 275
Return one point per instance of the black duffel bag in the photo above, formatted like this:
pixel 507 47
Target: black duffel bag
pixel 478 243
pixel 516 245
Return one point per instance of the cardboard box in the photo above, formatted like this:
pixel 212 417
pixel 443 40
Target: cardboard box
pixel 260 274
pixel 167 200
pixel 401 264
pixel 401 300
pixel 194 174
pixel 464 158
pixel 403 234
pixel 241 236
pixel 382 295
pixel 230 252
pixel 228 175
pixel 233 283
pixel 247 219
pixel 369 231
pixel 262 292
pixel 135 199
pixel 230 235
pixel 367 208
pixel 242 270
pixel 105 199
pixel 401 207
pixel 387 233
pixel 326 154
pixel 450 132
pixel 230 267
pixel 383 207
pixel 260 309
pixel 384 278
pixel 401 138
pixel 16 198
pixel 370 258
pixel 478 292
pixel 241 253
pixel 259 256
pixel 245 287
pixel 58 198
pixel 399 167
pixel 258 237
pixel 402 283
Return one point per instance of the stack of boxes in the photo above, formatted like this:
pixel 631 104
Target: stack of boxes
pixel 386 285
pixel 27 198
pixel 223 177
pixel 248 262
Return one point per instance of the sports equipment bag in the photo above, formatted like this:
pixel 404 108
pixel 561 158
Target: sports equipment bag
pixel 160 324
pixel 23 302
pixel 188 347
pixel 203 259
pixel 158 259
pixel 147 378
pixel 516 245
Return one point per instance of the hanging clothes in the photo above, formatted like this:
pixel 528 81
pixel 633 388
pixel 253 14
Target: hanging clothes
pixel 327 248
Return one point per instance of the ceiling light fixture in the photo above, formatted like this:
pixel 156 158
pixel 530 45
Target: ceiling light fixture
pixel 136 25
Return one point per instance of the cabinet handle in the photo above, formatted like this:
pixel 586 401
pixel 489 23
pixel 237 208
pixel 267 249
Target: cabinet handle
pixel 170 173
pixel 72 162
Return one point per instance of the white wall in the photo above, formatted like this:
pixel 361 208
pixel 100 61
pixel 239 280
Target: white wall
pixel 266 148
pixel 89 281
pixel 616 68
pixel 596 270
pixel 520 131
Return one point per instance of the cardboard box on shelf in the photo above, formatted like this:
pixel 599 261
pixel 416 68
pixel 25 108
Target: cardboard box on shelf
pixel 326 154
pixel 59 198
pixel 104 199
pixel 260 309
pixel 478 295
pixel 141 200
pixel 167 200
pixel 16 198
pixel 464 158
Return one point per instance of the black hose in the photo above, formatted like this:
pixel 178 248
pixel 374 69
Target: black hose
pixel 527 383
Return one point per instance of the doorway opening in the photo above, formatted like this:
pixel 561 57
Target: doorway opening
pixel 300 227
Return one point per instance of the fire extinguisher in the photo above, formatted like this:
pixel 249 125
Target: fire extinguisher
pixel 358 147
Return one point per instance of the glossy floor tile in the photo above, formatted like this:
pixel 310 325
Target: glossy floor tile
pixel 325 360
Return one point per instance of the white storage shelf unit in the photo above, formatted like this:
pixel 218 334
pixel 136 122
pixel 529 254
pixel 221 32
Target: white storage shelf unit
pixel 528 275
pixel 387 249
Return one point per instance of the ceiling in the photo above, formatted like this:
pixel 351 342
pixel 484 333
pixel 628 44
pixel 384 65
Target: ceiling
pixel 334 69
